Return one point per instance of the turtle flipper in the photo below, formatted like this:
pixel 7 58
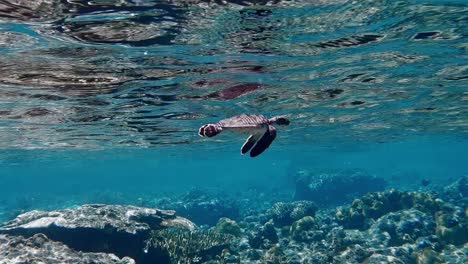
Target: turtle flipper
pixel 249 143
pixel 264 142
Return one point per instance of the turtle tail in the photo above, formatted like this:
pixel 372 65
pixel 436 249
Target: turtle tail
pixel 209 130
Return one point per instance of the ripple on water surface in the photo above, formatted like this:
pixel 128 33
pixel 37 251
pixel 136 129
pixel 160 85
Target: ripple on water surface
pixel 146 73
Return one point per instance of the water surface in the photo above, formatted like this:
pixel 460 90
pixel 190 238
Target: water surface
pixel 100 101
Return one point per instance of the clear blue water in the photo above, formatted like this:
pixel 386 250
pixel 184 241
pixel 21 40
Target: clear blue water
pixel 100 101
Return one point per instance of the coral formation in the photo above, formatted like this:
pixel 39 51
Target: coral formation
pixel 286 213
pixel 191 247
pixel 203 207
pixel 335 188
pixel 404 226
pixel 457 191
pixel 265 237
pixel 228 226
pixel 40 249
pixel 374 205
pixel 274 255
pixel 382 227
pixel 117 229
pixel 452 227
pixel 299 229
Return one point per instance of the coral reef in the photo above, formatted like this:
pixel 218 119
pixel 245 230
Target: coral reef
pixel 454 255
pixel 452 226
pixel 39 249
pixel 374 205
pixel 228 226
pixel 392 227
pixel 117 229
pixel 286 213
pixel 327 189
pixel 191 247
pixel 203 207
pixel 274 255
pixel 382 227
pixel 300 229
pixel 457 191
pixel 404 226
pixel 264 237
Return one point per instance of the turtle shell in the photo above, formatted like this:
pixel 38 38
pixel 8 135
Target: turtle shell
pixel 244 121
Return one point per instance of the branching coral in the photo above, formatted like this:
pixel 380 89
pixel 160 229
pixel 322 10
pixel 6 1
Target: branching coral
pixel 191 247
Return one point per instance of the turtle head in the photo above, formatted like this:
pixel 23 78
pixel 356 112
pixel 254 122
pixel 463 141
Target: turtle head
pixel 280 120
pixel 209 130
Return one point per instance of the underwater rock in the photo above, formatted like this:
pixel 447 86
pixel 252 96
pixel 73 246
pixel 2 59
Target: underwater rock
pixel 117 229
pixel 286 213
pixel 228 226
pixel 265 237
pixel 39 249
pixel 336 188
pixel 374 205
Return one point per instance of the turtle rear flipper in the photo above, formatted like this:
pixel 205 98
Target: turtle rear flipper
pixel 249 143
pixel 264 142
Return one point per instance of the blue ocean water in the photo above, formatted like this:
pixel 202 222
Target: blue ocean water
pixel 58 178
pixel 101 101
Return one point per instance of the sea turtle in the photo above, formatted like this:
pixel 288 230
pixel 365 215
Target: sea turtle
pixel 259 128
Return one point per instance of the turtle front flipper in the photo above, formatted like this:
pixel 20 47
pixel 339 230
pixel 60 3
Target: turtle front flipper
pixel 264 142
pixel 249 143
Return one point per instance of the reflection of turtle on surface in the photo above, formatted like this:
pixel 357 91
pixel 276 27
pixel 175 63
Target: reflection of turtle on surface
pixel 261 130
